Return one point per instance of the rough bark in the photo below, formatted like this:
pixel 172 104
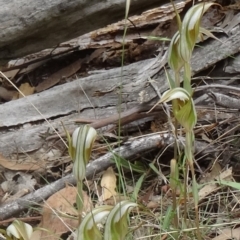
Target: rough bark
pixel 68 102
pixel 30 27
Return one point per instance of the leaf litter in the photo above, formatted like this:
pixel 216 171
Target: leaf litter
pixel 156 196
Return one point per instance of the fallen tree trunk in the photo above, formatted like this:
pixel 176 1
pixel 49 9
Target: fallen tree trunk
pixel 23 128
pixel 28 28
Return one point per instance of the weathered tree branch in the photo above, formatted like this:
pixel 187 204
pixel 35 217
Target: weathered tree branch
pixel 69 100
pixel 30 27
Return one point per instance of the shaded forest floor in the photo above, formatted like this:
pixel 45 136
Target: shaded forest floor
pixel 82 81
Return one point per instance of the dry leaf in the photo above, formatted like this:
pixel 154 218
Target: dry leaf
pixel 152 204
pixel 206 190
pixel 32 67
pixel 17 184
pixel 116 199
pixel 62 203
pixel 96 54
pixel 226 175
pixel 210 176
pixel 16 181
pixel 11 73
pixel 205 138
pixel 21 166
pixel 228 233
pixel 26 89
pixel 108 183
pixel 212 187
pixel 56 77
pixel 36 235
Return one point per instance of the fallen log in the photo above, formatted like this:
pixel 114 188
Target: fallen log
pixel 21 125
pixel 28 28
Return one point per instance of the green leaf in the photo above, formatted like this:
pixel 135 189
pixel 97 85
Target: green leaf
pixel 174 175
pixel 88 229
pixel 189 146
pixel 175 60
pixel 168 218
pixel 195 192
pixel 79 197
pixel 137 167
pixel 235 185
pixel 171 82
pixel 179 22
pixel 116 226
pixel 138 186
pixel 209 34
pixel 187 77
pixel 152 166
